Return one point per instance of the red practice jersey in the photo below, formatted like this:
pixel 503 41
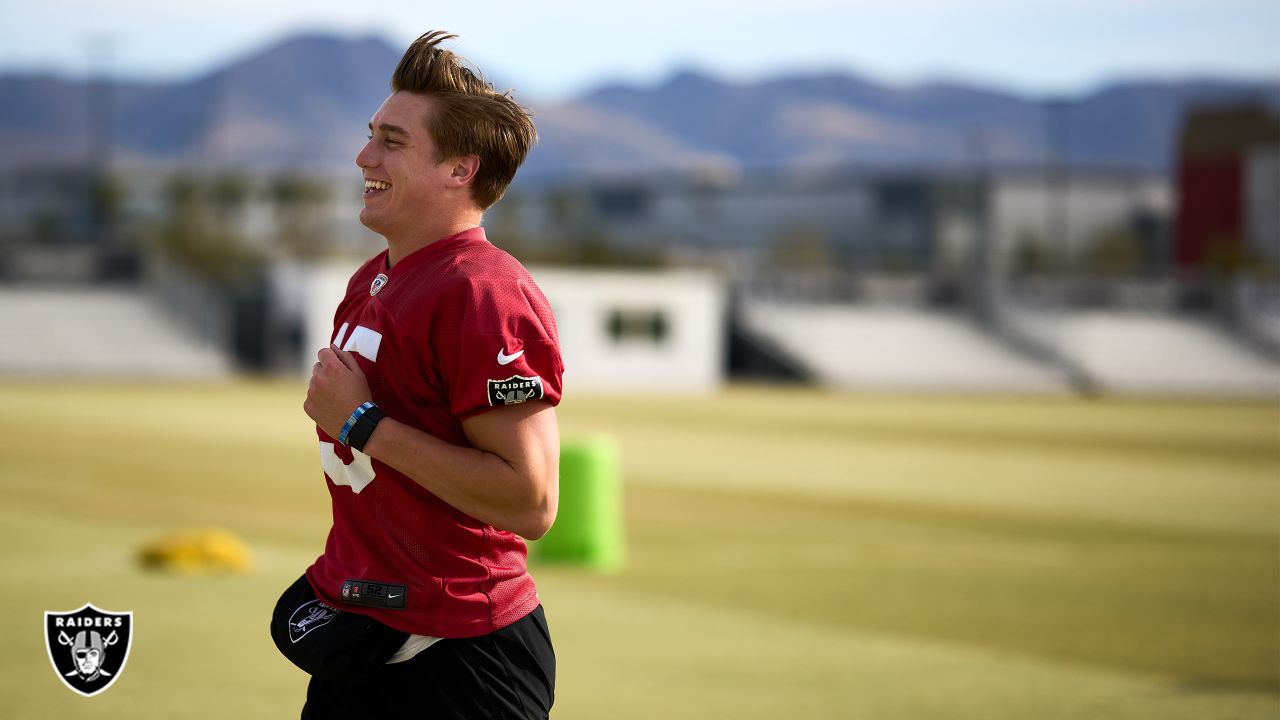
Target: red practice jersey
pixel 453 330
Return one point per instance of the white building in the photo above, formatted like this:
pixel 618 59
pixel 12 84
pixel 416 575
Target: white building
pixel 620 331
pixel 638 331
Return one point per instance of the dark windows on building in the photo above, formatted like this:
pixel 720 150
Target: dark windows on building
pixel 641 326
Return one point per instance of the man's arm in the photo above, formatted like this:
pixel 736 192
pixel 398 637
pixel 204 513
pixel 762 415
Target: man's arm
pixel 508 479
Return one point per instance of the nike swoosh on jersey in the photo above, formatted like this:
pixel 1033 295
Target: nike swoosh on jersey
pixel 505 359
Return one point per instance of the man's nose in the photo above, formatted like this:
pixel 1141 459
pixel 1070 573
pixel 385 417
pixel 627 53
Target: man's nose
pixel 365 158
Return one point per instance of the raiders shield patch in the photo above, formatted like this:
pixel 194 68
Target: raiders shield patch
pixel 88 647
pixel 308 616
pixel 515 390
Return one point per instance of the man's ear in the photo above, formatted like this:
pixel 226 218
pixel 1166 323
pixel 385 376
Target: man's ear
pixel 464 169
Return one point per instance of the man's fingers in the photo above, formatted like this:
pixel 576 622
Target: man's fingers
pixel 349 359
pixel 329 356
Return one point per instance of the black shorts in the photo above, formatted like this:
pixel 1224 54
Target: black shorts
pixel 508 674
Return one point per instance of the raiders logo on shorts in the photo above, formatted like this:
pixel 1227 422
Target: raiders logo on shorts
pixel 88 647
pixel 309 616
pixel 515 390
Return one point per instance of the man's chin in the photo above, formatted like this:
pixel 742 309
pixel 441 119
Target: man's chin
pixel 370 220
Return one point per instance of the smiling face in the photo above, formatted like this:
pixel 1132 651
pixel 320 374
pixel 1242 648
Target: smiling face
pixel 406 184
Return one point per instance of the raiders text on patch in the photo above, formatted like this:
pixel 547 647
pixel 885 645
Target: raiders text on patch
pixel 374 594
pixel 515 390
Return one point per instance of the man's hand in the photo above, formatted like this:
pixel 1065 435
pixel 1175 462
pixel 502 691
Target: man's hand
pixel 337 387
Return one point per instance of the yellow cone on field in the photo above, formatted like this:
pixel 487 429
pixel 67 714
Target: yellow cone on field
pixel 197 552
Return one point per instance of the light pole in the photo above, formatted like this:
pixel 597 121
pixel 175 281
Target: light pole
pixel 1057 144
pixel 100 129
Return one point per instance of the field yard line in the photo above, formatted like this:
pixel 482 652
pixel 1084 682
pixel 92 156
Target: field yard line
pixel 738 663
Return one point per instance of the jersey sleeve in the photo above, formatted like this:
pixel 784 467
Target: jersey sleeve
pixel 506 350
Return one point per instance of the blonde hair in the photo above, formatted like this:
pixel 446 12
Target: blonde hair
pixel 469 117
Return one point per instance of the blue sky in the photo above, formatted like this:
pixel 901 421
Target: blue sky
pixel 550 49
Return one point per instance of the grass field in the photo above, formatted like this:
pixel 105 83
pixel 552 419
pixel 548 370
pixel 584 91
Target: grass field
pixel 791 554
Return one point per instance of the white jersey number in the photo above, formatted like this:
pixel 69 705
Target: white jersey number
pixel 359 473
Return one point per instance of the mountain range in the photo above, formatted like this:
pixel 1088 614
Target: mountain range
pixel 303 104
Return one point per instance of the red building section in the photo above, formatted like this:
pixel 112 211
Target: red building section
pixel 1212 152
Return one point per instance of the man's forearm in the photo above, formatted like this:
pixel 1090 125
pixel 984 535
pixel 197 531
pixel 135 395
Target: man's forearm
pixel 518 494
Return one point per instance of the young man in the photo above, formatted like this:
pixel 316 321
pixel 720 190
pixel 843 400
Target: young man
pixel 438 437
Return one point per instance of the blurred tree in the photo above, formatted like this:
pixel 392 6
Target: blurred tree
pixel 1115 252
pixel 47 228
pixel 798 247
pixel 107 197
pixel 897 261
pixel 593 247
pixel 503 224
pixel 198 235
pixel 228 195
pixel 300 201
pixel 563 206
pixel 1227 259
pixel 1031 256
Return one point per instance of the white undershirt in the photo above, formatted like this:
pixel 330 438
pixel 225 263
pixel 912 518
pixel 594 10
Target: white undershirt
pixel 413 645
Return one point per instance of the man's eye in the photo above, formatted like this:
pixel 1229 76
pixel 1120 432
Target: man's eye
pixel 369 136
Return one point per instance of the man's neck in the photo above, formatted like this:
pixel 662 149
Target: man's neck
pixel 400 248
